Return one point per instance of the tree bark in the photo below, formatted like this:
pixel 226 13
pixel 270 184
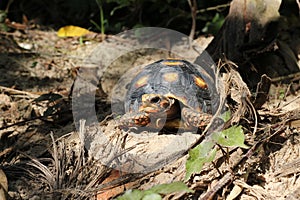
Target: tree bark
pixel 249 37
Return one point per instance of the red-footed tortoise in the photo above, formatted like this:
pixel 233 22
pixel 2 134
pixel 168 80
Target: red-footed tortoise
pixel 170 94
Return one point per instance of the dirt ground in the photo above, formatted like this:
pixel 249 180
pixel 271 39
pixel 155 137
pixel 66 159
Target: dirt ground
pixel 42 155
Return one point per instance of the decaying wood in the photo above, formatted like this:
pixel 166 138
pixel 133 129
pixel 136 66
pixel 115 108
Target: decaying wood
pixel 249 37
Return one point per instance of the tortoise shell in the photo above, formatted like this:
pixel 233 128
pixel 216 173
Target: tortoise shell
pixel 168 80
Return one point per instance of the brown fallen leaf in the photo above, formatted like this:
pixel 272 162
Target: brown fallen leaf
pixel 115 174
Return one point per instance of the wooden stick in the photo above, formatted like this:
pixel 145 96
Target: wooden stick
pixel 14 91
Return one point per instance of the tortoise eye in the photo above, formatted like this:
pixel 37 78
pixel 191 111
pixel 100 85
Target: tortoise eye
pixel 155 100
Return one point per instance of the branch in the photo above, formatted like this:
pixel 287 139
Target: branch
pixel 193 6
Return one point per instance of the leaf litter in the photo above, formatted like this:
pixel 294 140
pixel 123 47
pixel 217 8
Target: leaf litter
pixel 42 156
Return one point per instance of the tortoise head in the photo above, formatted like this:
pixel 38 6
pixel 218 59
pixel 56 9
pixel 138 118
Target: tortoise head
pixel 159 105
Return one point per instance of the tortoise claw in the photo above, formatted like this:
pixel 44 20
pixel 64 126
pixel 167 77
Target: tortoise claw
pixel 194 118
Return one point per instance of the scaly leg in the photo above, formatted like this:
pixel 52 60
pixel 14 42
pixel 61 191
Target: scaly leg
pixel 134 120
pixel 194 118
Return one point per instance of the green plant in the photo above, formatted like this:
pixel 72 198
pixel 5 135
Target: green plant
pixel 102 20
pixel 206 151
pixel 3 26
pixel 155 192
pixel 214 25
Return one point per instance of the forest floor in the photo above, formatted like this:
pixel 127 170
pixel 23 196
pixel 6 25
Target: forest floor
pixel 41 156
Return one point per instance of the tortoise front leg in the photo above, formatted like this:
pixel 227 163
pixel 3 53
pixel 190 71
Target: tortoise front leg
pixel 194 118
pixel 134 120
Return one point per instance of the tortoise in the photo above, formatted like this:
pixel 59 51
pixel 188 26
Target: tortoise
pixel 168 94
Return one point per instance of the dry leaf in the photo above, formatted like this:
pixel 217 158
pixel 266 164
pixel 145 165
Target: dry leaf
pixel 3 185
pixel 235 192
pixel 115 174
pixel 72 31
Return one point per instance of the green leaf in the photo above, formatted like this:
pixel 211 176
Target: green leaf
pixel 3 16
pixel 203 153
pixel 281 94
pixel 117 8
pixel 170 188
pixel 226 116
pixel 152 196
pixel 132 194
pixel 231 137
pixel 154 192
pixel 214 25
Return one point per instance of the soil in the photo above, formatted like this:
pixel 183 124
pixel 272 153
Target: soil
pixel 42 155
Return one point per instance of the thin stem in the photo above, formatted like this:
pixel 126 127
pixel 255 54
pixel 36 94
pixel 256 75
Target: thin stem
pixel 101 18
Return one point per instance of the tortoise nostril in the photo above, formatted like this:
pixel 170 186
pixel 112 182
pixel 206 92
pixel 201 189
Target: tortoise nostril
pixel 155 100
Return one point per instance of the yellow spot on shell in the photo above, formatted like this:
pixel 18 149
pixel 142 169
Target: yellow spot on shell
pixel 170 77
pixel 200 82
pixel 142 81
pixel 172 63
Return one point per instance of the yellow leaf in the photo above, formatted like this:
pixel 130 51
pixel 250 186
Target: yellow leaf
pixel 72 31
